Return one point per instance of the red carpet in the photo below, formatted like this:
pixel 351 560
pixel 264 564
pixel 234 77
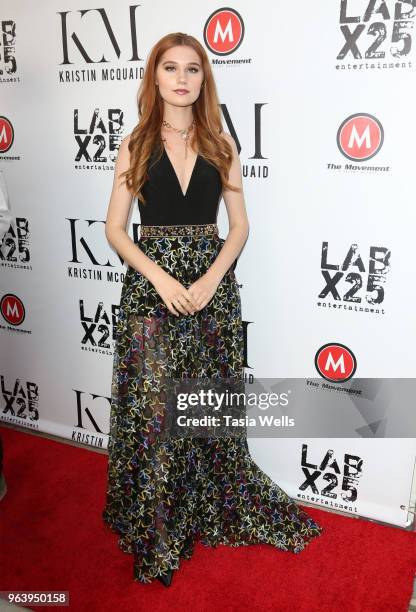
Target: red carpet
pixel 53 538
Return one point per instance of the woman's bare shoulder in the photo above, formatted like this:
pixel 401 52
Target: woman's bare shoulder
pixel 123 149
pixel 228 137
pixel 126 140
pixel 230 140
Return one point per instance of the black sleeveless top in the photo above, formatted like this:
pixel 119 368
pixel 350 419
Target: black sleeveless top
pixel 166 204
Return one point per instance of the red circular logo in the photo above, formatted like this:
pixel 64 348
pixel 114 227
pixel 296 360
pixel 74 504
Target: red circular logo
pixel 12 309
pixel 6 134
pixel 335 362
pixel 360 137
pixel 224 31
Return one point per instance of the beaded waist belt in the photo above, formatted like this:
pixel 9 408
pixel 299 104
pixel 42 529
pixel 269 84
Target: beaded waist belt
pixel 155 231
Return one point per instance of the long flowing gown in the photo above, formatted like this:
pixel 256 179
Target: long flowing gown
pixel 165 494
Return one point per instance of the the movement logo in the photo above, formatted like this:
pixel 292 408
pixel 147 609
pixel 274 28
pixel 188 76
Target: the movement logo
pixel 6 134
pixel 224 31
pixel 335 362
pixel 12 309
pixel 360 136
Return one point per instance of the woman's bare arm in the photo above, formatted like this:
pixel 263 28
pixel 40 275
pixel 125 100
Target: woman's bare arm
pixel 116 222
pixel 237 218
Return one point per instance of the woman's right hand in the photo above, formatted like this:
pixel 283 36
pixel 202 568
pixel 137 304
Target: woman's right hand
pixel 174 295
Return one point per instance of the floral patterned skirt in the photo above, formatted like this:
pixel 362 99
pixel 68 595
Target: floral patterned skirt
pixel 164 494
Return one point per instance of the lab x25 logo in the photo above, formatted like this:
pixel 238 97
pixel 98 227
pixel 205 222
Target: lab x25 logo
pixel 376 31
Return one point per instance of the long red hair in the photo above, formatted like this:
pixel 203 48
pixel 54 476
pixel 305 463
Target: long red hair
pixel 145 137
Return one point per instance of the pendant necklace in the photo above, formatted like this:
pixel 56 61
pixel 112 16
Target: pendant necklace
pixel 184 132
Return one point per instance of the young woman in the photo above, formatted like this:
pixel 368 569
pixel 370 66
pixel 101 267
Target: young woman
pixel 180 316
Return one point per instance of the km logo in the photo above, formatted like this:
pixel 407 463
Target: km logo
pixel 100 16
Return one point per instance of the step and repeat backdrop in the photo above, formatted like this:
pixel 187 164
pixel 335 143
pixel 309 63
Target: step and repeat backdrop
pixel 319 101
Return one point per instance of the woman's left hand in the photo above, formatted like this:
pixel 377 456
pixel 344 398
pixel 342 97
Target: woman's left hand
pixel 203 290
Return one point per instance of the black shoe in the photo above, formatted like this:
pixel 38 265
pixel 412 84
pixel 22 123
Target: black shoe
pixel 166 578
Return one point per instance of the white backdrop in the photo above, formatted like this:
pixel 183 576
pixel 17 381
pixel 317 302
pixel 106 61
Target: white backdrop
pixel 286 86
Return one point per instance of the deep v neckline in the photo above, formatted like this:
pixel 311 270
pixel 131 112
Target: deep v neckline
pixel 184 195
